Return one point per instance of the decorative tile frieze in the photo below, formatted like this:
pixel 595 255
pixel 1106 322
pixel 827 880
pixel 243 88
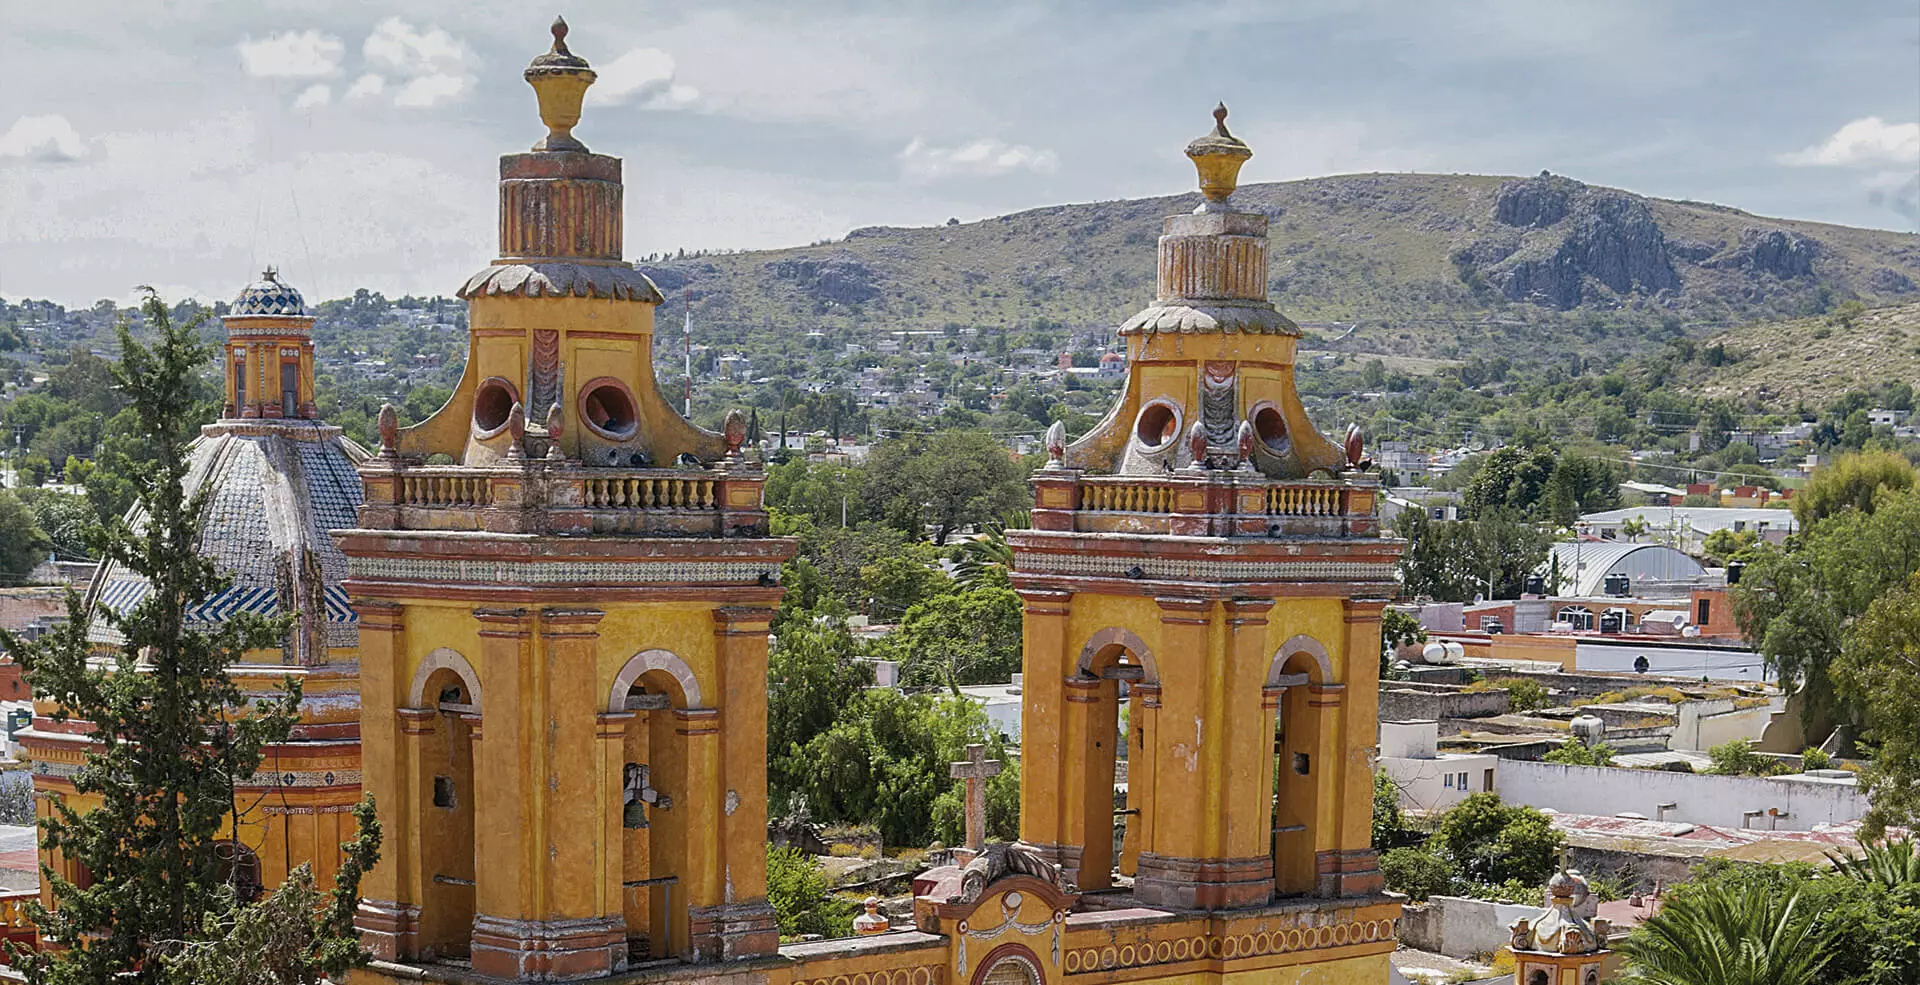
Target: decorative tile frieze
pixel 541 573
pixel 1181 569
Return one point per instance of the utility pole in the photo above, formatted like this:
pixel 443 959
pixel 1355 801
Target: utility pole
pixel 686 339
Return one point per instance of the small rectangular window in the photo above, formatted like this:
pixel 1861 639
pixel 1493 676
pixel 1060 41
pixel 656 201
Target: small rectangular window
pixel 1448 780
pixel 1705 613
pixel 443 791
pixel 1463 781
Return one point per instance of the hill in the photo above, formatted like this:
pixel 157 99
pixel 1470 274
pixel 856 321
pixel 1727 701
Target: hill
pixel 1436 266
pixel 1780 363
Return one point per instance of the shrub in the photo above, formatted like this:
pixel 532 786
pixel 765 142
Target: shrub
pixel 1573 752
pixel 1737 758
pixel 1815 759
pixel 1417 872
pixel 797 888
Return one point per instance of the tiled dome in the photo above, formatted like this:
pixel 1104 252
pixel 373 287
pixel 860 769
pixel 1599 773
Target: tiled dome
pixel 274 492
pixel 267 296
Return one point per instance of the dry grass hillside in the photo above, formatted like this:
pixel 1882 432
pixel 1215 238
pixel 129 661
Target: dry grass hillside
pixel 1815 359
pixel 1435 266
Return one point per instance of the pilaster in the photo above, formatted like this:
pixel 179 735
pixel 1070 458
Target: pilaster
pixel 1046 663
pixel 747 927
pixel 388 915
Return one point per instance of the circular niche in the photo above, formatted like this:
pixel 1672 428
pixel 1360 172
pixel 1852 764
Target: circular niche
pixel 608 409
pixel 1270 427
pixel 1157 425
pixel 492 404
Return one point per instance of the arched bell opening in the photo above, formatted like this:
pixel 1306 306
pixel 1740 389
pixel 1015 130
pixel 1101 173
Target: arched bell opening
pixel 1299 695
pixel 658 690
pixel 1119 686
pixel 445 755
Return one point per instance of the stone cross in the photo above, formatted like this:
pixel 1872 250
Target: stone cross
pixel 975 769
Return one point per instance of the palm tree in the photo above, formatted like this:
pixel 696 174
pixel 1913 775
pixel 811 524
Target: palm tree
pixel 1890 865
pixel 1714 935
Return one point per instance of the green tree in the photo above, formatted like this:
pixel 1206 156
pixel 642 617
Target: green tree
pixel 1387 822
pixel 1851 482
pixel 64 518
pixel 1798 603
pixel 960 638
pixel 946 481
pixel 1453 560
pixel 171 731
pixel 1490 842
pixel 296 936
pixel 884 761
pixel 22 543
pixel 1719 936
pixel 812 669
pixel 1512 478
pixel 1397 629
pixel 1879 668
pixel 1728 544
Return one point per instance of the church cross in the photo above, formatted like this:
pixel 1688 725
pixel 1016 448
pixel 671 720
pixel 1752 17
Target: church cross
pixel 975 769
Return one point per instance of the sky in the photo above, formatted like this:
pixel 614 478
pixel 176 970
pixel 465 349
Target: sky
pixel 184 144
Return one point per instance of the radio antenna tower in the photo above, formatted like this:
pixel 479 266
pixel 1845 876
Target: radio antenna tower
pixel 686 339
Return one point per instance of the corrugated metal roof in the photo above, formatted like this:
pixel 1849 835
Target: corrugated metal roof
pixel 1584 566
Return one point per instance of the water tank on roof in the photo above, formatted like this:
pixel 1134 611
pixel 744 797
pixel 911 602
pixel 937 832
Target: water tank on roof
pixel 1618 585
pixel 1734 568
pixel 1536 585
pixel 1589 729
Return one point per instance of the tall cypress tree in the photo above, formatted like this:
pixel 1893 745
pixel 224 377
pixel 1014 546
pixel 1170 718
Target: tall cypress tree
pixel 171 732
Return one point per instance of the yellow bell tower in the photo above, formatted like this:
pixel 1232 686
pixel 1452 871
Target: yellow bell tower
pixel 1203 586
pixel 564 632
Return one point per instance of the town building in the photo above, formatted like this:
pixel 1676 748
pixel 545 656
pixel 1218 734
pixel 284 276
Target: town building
pixel 563 650
pixel 277 480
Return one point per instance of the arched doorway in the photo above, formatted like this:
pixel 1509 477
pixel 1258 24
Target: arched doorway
pixel 1295 695
pixel 1118 686
pixel 443 718
pixel 658 689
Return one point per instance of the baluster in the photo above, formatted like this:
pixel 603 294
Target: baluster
pixel 707 489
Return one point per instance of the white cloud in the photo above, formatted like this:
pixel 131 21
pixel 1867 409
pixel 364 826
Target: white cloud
pixel 42 138
pixel 436 66
pixel 365 86
pixel 643 75
pixel 981 158
pixel 312 96
pixel 291 55
pixel 1866 142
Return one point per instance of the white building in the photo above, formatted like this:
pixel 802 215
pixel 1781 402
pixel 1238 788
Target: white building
pixel 1426 778
pixel 1001 702
pixel 1687 527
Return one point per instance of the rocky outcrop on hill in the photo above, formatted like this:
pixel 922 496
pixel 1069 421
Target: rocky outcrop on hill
pixel 1605 236
pixel 840 278
pixel 1777 252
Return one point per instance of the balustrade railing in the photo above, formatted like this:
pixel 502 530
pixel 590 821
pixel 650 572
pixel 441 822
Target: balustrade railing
pixel 1303 501
pixel 1131 497
pixel 421 488
pixel 645 493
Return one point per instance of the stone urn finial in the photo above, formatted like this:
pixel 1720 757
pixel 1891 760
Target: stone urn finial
pixel 517 430
pixel 734 429
pixel 556 428
pixel 1218 157
pixel 560 79
pixel 389 426
pixel 872 921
